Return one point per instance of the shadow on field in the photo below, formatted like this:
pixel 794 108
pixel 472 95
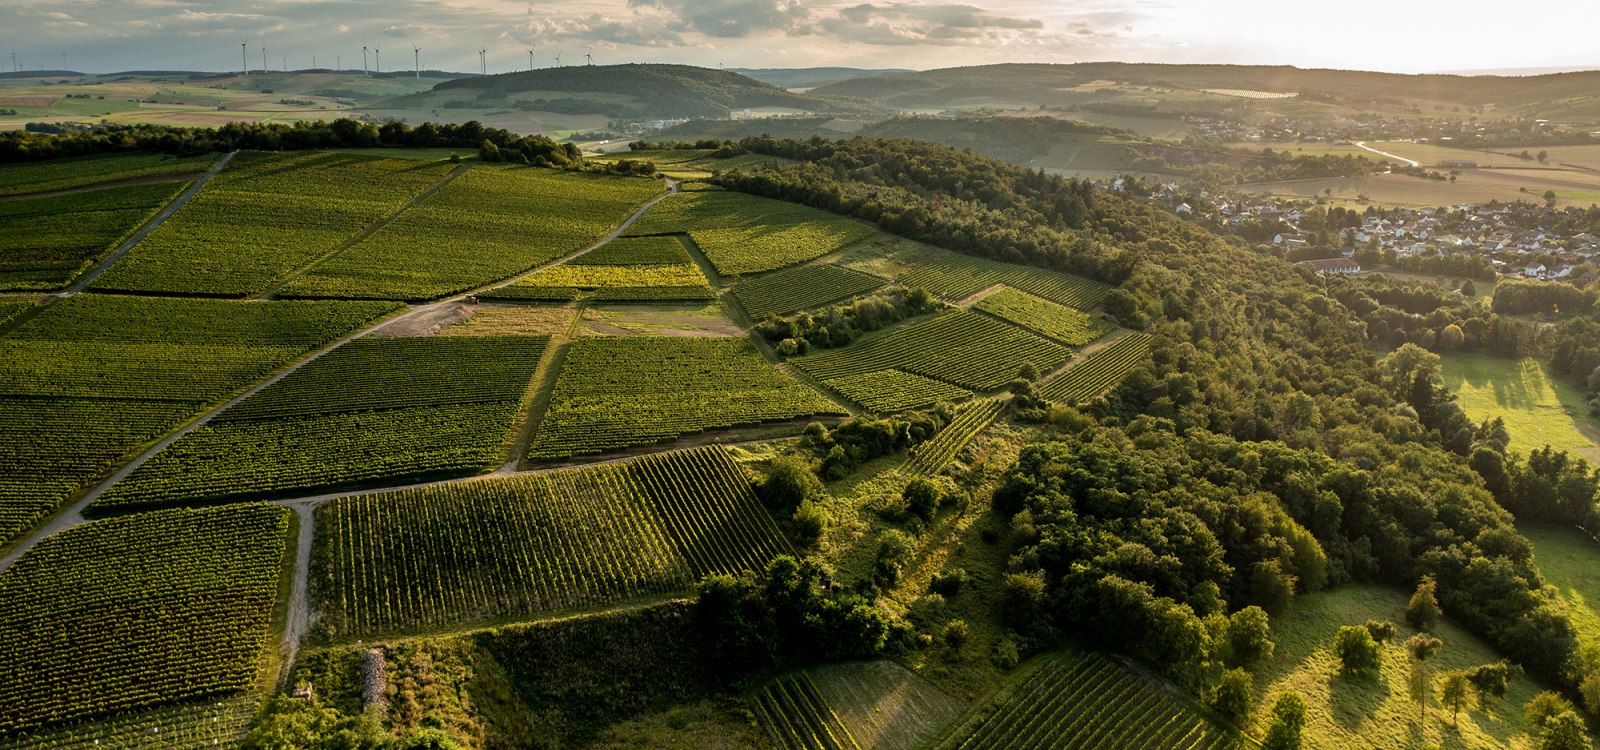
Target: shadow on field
pixel 1355 700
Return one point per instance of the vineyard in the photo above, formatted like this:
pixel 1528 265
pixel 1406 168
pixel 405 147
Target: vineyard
pixel 137 612
pixel 620 392
pixel 497 548
pixel 44 242
pixel 932 456
pixel 1097 373
pixel 66 174
pixel 802 288
pixel 1050 319
pixel 1090 701
pixel 745 234
pixel 797 717
pixel 958 347
pixel 637 251
pixel 957 276
pixel 486 225
pixel 263 217
pixel 90 379
pixel 386 409
pixel 681 281
pixel 889 391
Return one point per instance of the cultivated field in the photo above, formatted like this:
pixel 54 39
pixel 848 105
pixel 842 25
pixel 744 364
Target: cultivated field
pixel 746 234
pixel 45 242
pixel 958 347
pixel 801 288
pixel 83 171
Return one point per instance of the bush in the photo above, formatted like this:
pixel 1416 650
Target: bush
pixel 1231 698
pixel 1249 636
pixel 1423 609
pixel 1382 630
pixel 809 522
pixel 789 482
pixel 1544 707
pixel 1357 651
pixel 1288 719
pixel 922 498
pixel 948 582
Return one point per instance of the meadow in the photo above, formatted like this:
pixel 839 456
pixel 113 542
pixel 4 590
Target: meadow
pixel 1539 409
pixel 1566 559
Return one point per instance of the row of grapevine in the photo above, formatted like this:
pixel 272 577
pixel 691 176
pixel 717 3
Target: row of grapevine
pixel 959 347
pixel 45 242
pixel 802 288
pixel 506 548
pixel 138 611
pixel 933 455
pixel 373 410
pixel 1090 701
pixel 620 392
pixel 745 234
pixel 263 217
pixel 956 276
pixel 1064 324
pixel 637 251
pixel 889 391
pixel 488 224
pixel 681 281
pixel 797 717
pixel 203 724
pixel 65 174
pixel 1097 373
pixel 90 379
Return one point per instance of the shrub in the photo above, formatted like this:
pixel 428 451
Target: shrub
pixel 788 483
pixel 1357 651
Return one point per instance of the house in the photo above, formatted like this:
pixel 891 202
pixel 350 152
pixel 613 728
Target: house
pixel 1332 265
pixel 1185 209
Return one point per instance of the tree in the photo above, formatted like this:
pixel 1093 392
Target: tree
pixel 1544 707
pixel 1565 732
pixel 1382 630
pixel 1423 610
pixel 1451 337
pixel 1288 719
pixel 1231 697
pixel 1422 647
pixel 922 497
pixel 1468 289
pixel 1453 692
pixel 1490 680
pixel 789 482
pixel 1249 636
pixel 1357 652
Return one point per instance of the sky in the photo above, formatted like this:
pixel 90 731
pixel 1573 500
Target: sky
pixel 1406 36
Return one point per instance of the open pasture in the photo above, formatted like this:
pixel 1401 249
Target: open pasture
pixel 1539 409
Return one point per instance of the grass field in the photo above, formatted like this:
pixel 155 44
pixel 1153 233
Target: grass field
pixel 1377 711
pixel 1472 186
pixel 1538 408
pixel 1568 560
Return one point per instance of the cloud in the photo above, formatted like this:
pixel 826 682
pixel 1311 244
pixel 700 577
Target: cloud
pixel 731 18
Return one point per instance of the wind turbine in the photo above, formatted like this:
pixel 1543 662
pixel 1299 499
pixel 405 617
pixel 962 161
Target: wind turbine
pixel 263 58
pixel 377 59
pixel 244 54
pixel 558 59
pixel 483 61
pixel 416 61
pixel 589 56
pixel 530 59
pixel 364 70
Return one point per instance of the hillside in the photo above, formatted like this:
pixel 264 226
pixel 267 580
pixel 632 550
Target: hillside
pixel 790 78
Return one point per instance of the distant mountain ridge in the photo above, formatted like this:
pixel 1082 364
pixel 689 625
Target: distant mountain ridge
pixel 790 78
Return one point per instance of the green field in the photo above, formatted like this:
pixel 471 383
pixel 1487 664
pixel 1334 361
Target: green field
pixel 1539 409
pixel 745 234
pixel 263 217
pixel 45 242
pixel 887 391
pixel 1056 321
pixel 374 410
pixel 1377 711
pixel 495 549
pixel 955 276
pixel 802 288
pixel 1091 375
pixel 187 594
pixel 622 392
pixel 1567 559
pixel 488 224
pixel 66 174
pixel 681 281
pixel 958 347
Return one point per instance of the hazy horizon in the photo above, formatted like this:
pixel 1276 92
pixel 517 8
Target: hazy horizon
pixel 97 36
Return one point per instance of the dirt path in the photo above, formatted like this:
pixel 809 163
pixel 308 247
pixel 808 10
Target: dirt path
pixel 1363 146
pixel 299 617
pixel 149 227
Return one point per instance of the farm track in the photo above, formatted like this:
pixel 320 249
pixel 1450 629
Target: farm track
pixel 159 179
pixel 1363 146
pixel 166 213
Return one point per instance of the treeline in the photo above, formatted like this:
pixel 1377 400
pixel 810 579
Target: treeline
pixel 1398 312
pixel 18 146
pixel 838 325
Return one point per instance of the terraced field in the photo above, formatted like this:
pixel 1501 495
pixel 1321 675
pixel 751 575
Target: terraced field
pixel 157 608
pixel 263 217
pixel 45 242
pixel 958 347
pixel 957 276
pixel 620 392
pixel 90 379
pixel 802 288
pixel 1097 373
pixel 374 410
pixel 496 548
pixel 486 225
pixel 745 234
pixel 1083 701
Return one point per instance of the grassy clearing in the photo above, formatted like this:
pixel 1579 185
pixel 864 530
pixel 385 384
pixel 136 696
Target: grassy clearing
pixel 1567 559
pixel 1377 711
pixel 1538 408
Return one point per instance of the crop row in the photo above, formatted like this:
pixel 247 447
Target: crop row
pixel 957 276
pixel 802 288
pixel 932 456
pixel 958 347
pixel 496 549
pixel 1099 372
pixel 64 174
pixel 203 724
pixel 263 217
pixel 138 611
pixel 123 319
pixel 391 409
pixel 44 242
pixel 1057 321
pixel 745 234
pixel 1090 701
pixel 636 251
pixel 620 392
pixel 487 224
pixel 716 209
pixel 596 276
pixel 889 391
pixel 797 717
pixel 654 294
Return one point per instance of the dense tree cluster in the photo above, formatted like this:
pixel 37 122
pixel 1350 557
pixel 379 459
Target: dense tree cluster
pixel 843 323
